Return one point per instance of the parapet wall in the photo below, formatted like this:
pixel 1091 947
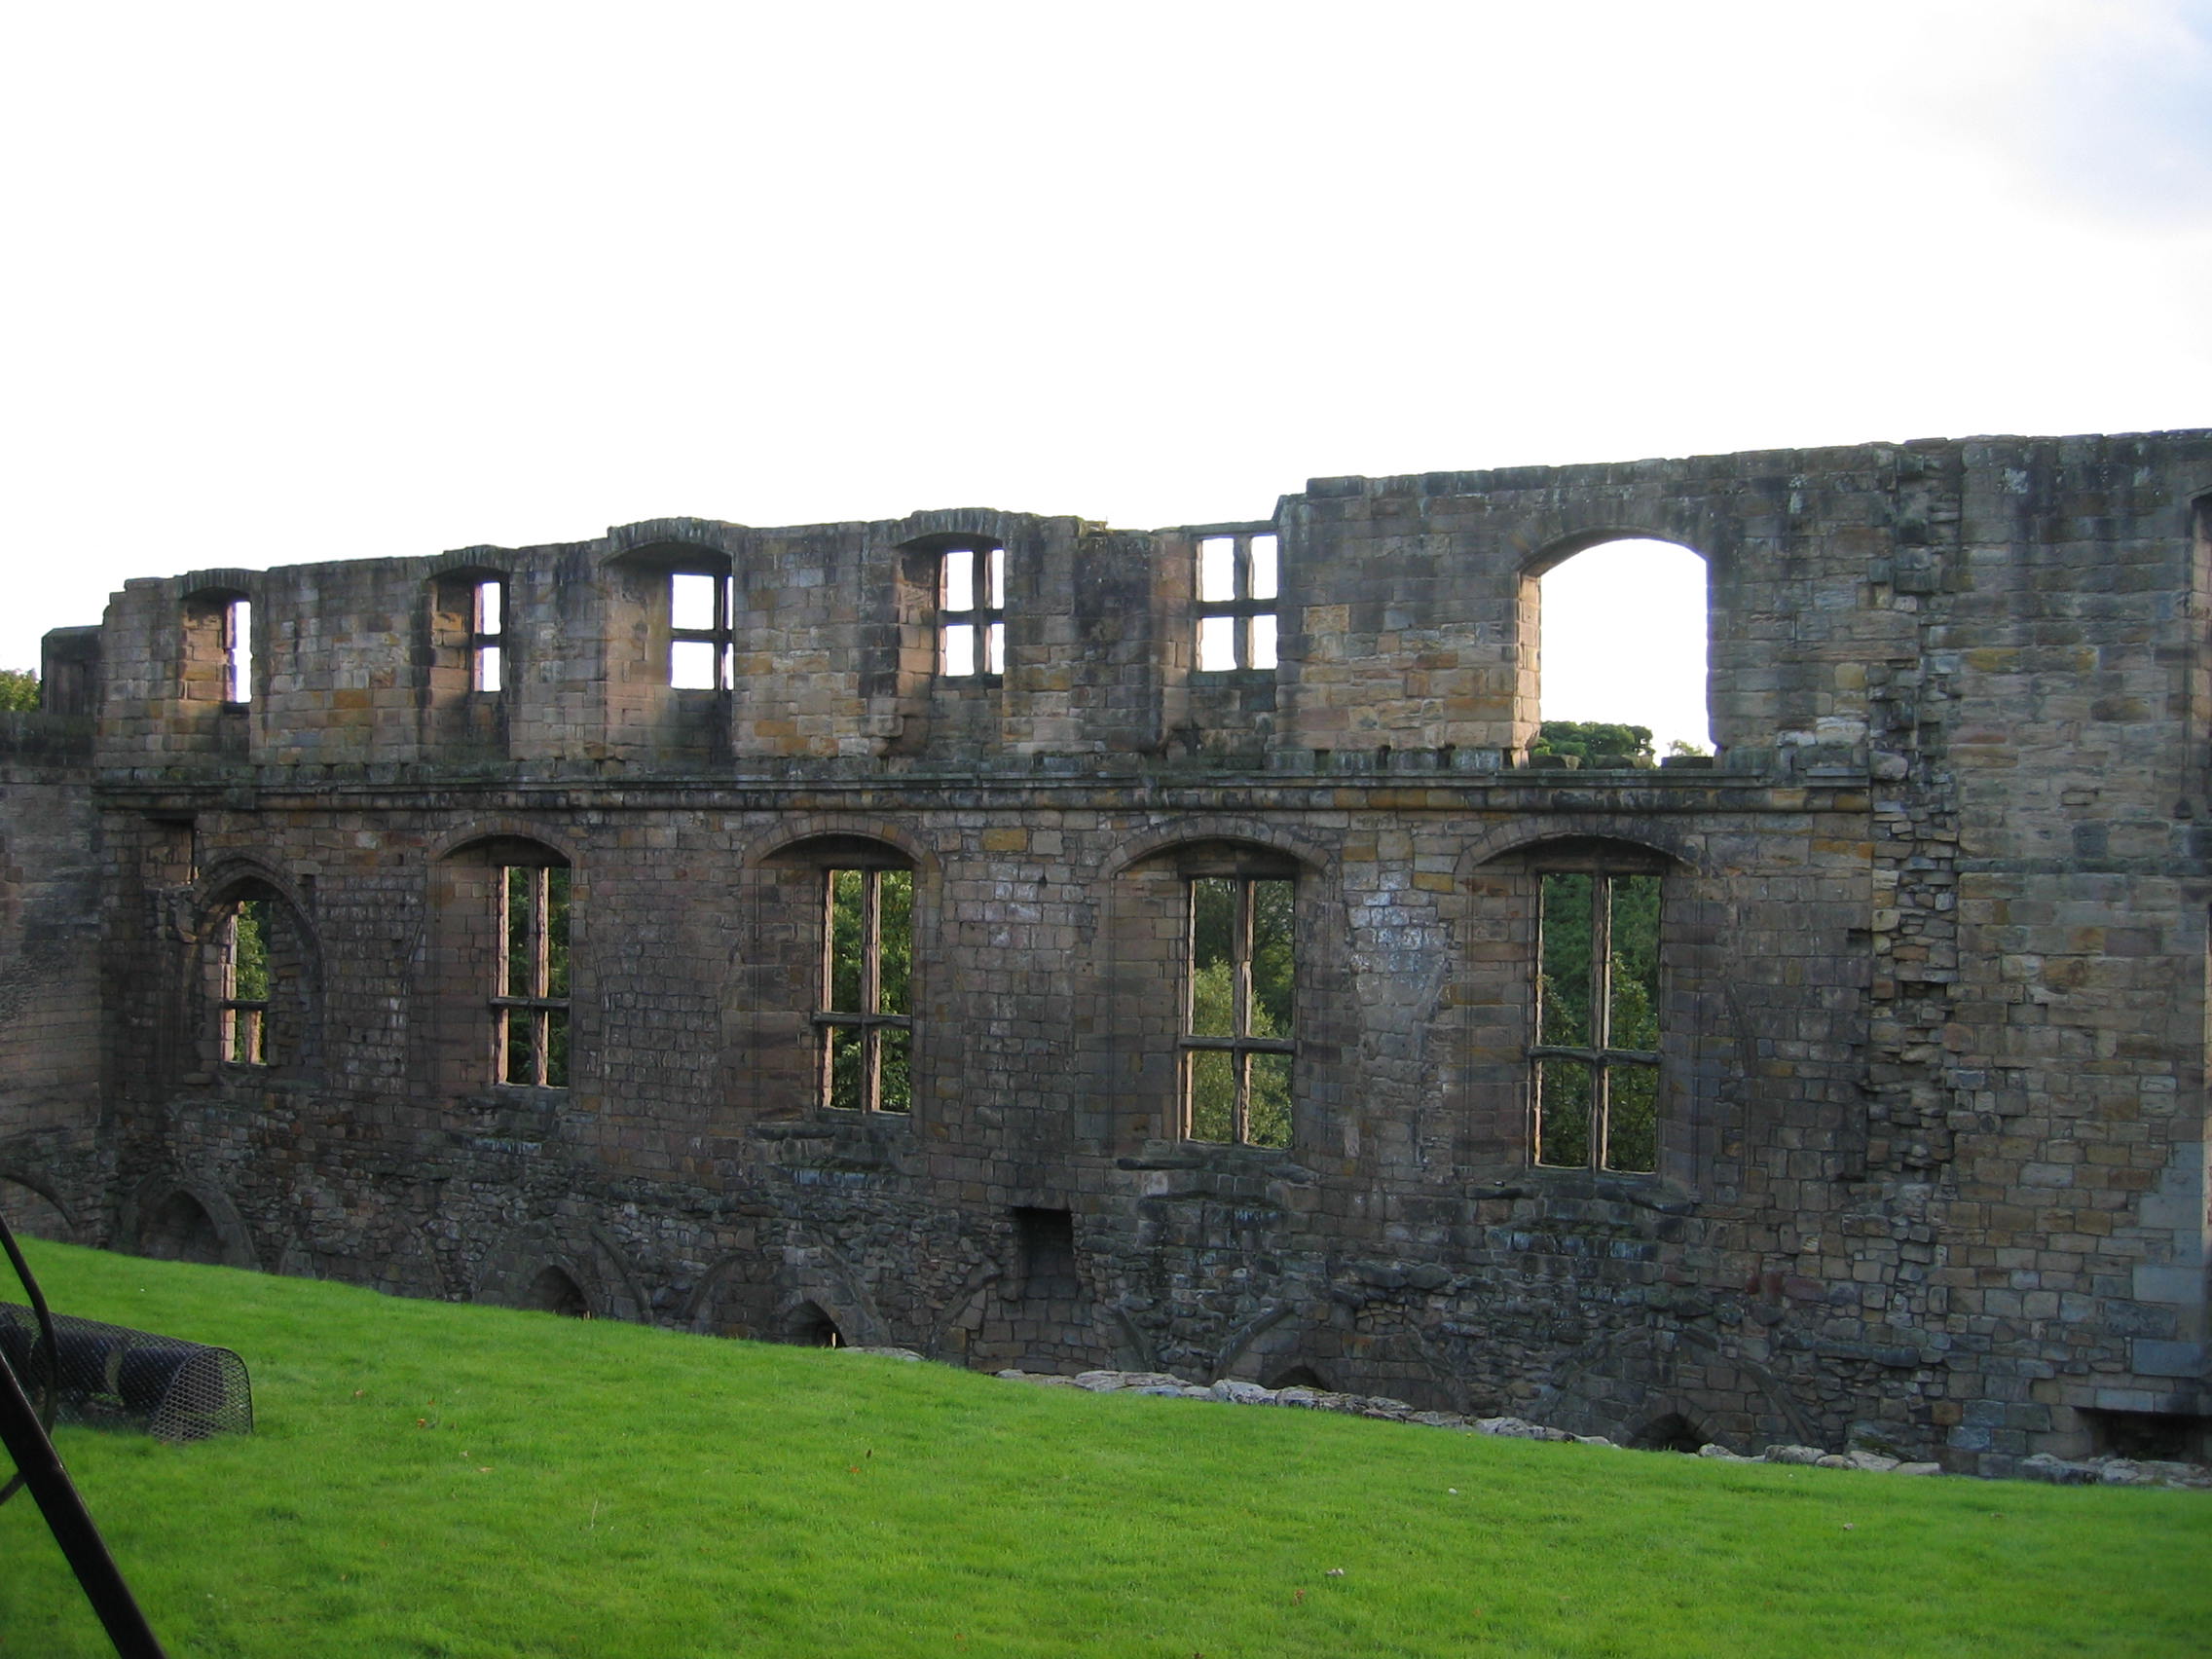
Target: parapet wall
pixel 1929 1139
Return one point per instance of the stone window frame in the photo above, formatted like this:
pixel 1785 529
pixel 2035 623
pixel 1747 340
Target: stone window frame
pixel 869 1022
pixel 487 640
pixel 289 1015
pixel 546 1008
pixel 1605 861
pixel 242 1022
pixel 982 618
pixel 1243 607
pixel 1241 1045
pixel 218 664
pixel 718 635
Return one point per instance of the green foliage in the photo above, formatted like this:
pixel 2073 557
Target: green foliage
pixel 429 1479
pixel 1586 738
pixel 250 951
pixel 19 689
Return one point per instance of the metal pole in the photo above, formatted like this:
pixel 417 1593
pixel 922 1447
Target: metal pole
pixel 71 1524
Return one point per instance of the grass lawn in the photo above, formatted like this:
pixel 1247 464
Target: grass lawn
pixel 427 1478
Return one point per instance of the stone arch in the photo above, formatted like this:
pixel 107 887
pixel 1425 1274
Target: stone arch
pixel 1277 839
pixel 1519 834
pixel 1640 1385
pixel 514 1273
pixel 1143 957
pixel 502 828
pixel 185 1220
pixel 555 1291
pixel 735 1298
pixel 792 834
pixel 1557 550
pixel 808 1324
pixel 818 1277
pixel 773 989
pixel 33 1209
pixel 459 1029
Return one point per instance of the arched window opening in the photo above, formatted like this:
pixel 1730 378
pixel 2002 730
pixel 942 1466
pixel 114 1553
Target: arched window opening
pixel 553 1291
pixel 1594 1057
pixel 180 1230
pixel 256 983
pixel 1299 1376
pixel 1623 630
pixel 810 1327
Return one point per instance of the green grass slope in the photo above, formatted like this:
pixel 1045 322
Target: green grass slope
pixel 434 1480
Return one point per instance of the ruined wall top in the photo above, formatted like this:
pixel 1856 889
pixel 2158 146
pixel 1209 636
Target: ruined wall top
pixel 1392 617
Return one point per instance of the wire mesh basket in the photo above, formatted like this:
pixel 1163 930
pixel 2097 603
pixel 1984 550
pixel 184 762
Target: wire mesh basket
pixel 113 1376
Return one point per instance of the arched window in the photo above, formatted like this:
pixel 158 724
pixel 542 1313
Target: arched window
pixel 255 978
pixel 505 926
pixel 1623 644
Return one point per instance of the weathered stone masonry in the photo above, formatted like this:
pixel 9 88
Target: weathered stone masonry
pixel 1932 1131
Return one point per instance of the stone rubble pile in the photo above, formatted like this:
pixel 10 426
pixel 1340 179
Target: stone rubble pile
pixel 2094 1471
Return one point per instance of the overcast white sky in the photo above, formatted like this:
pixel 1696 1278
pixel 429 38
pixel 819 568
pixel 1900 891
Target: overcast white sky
pixel 291 281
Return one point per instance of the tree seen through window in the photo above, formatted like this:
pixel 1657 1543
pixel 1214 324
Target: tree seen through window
pixel 1237 1042
pixel 1597 1049
pixel 866 1015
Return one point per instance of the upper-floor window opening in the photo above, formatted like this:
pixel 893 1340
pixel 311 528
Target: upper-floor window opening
pixel 1622 640
pixel 529 991
pixel 866 1013
pixel 242 970
pixel 1237 1040
pixel 1238 577
pixel 1595 1056
pixel 701 643
pixel 237 651
pixel 487 635
pixel 971 611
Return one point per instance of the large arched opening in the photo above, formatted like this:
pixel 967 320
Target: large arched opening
pixel 1621 652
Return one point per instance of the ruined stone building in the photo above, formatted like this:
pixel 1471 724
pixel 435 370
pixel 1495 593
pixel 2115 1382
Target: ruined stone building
pixel 1038 943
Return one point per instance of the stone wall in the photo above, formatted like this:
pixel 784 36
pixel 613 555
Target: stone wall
pixel 1931 1131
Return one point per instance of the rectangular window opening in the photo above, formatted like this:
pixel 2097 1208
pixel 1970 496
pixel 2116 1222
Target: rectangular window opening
pixel 1595 1062
pixel 245 980
pixel 971 612
pixel 1238 577
pixel 529 1003
pixel 866 1013
pixel 237 651
pixel 1238 1032
pixel 701 636
pixel 487 635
